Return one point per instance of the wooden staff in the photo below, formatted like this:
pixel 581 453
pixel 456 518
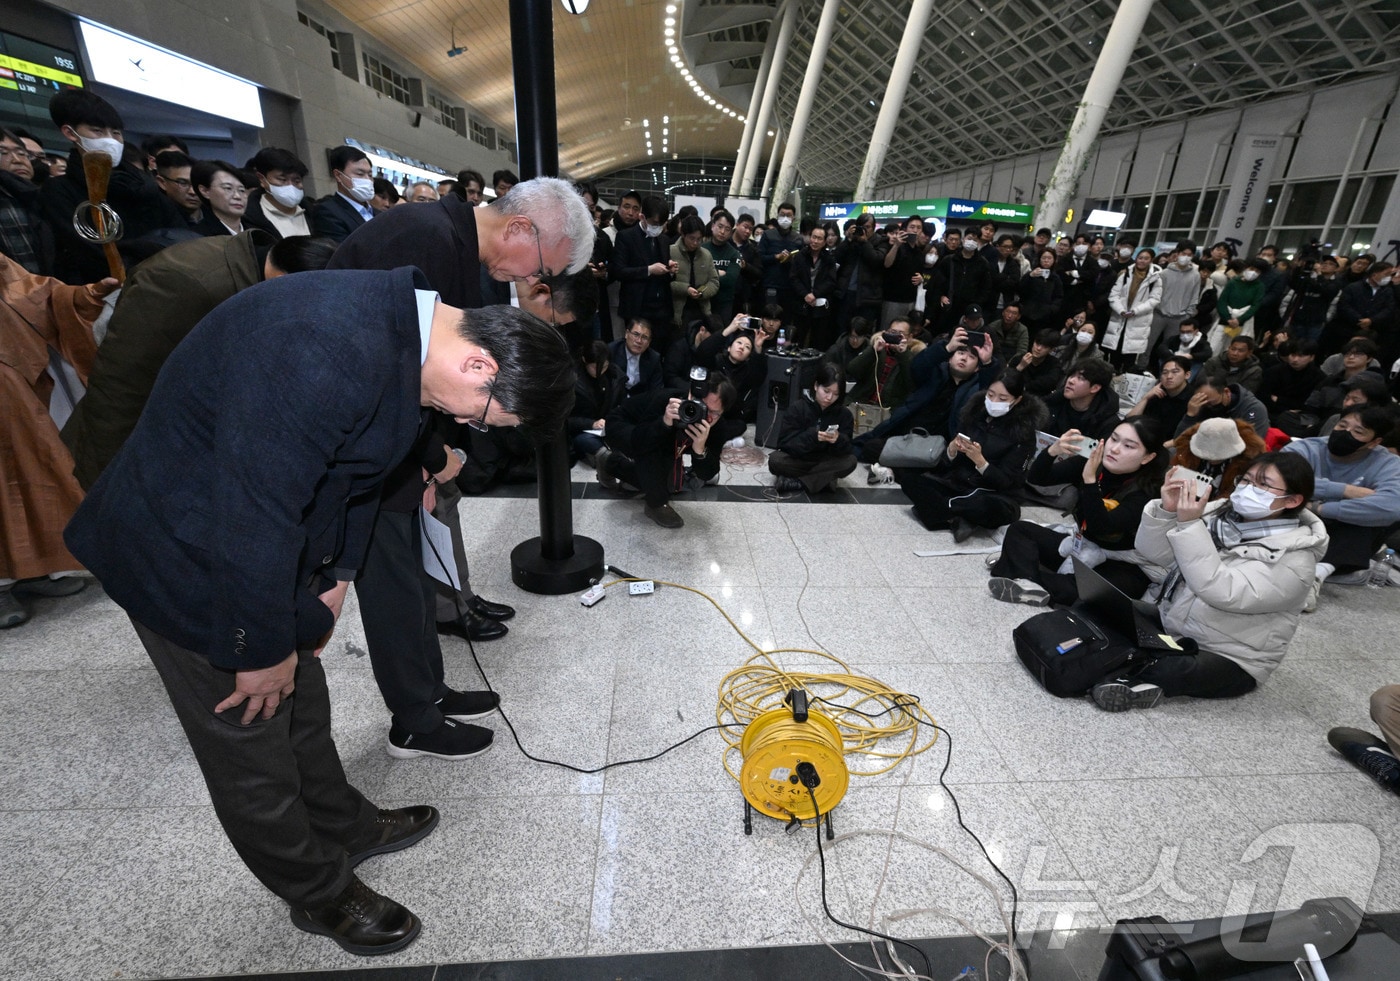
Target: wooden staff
pixel 97 168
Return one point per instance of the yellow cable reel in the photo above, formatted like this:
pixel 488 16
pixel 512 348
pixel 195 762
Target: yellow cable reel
pixel 777 749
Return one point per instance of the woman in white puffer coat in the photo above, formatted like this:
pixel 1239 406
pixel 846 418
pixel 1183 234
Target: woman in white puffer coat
pixel 1238 575
pixel 1136 292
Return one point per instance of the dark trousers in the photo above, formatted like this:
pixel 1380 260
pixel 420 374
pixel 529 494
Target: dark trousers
pixel 397 608
pixel 817 473
pixel 449 496
pixel 1032 551
pixel 1350 547
pixel 650 473
pixel 847 307
pixel 1199 675
pixel 936 508
pixel 277 784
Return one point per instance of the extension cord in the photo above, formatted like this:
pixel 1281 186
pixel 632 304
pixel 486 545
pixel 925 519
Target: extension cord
pixel 593 596
pixel 644 588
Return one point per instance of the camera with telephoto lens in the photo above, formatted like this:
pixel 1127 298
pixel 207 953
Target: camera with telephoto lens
pixel 693 409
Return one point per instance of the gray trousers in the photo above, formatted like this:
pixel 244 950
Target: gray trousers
pixel 277 784
pixel 1161 325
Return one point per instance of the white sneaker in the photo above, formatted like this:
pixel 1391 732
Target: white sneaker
pixel 880 475
pixel 992 559
pixel 1310 604
pixel 737 443
pixel 1018 591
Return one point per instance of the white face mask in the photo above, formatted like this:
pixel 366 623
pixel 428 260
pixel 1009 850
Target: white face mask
pixel 784 223
pixel 112 148
pixel 286 195
pixel 1183 261
pixel 1081 249
pixel 997 409
pixel 651 230
pixel 1083 337
pixel 1252 502
pixel 969 245
pixel 1385 281
pixel 1124 253
pixel 361 189
pixel 1249 275
pixel 931 258
pixel 1187 340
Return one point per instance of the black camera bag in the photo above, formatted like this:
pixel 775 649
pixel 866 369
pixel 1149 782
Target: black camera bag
pixel 1070 673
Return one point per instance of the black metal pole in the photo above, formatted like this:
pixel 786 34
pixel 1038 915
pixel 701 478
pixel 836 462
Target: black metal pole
pixel 557 561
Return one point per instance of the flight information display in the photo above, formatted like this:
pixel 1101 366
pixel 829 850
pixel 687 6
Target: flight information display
pixel 30 74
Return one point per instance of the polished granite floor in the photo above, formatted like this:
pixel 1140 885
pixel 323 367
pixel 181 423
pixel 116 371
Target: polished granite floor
pixel 116 867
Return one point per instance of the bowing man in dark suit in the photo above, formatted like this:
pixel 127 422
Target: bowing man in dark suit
pixel 348 208
pixel 232 521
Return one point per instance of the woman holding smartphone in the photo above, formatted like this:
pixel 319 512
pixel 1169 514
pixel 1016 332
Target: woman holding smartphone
pixel 1116 478
pixel 1238 573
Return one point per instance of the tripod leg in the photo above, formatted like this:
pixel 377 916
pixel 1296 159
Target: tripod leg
pixel 829 833
pixel 748 817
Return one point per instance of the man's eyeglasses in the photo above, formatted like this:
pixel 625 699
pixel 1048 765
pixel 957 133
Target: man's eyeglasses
pixel 480 424
pixel 179 182
pixel 540 252
pixel 640 335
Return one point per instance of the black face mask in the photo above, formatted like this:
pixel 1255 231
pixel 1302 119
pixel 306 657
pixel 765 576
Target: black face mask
pixel 1343 443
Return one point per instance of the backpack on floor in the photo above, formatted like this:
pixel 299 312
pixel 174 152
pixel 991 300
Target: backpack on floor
pixel 1068 653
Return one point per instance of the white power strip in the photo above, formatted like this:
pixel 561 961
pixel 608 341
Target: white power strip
pixel 593 595
pixel 644 588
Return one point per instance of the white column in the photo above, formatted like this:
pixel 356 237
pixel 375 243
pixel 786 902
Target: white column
pixel 760 82
pixel 770 94
pixel 779 140
pixel 904 61
pixel 787 174
pixel 1103 85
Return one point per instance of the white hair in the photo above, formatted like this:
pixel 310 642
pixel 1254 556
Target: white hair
pixel 557 211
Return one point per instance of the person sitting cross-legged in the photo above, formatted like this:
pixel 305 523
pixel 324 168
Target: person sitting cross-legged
pixel 1115 483
pixel 814 445
pixel 1238 573
pixel 972 485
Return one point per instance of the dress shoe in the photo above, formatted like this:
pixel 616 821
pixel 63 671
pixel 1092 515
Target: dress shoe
pixel 396 830
pixel 665 516
pixel 450 741
pixel 45 587
pixel 467 705
pixel 478 628
pixel 788 485
pixel 606 478
pixel 489 610
pixel 361 921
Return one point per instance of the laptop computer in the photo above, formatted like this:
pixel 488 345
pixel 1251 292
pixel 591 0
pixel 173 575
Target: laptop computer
pixel 1135 620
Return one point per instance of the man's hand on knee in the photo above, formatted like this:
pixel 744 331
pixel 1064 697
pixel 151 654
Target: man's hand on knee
pixel 262 690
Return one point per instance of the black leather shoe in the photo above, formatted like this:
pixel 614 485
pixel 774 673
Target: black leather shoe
pixel 489 610
pixel 478 628
pixel 397 830
pixel 961 528
pixel 361 921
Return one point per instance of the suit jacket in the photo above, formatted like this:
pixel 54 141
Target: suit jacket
pixel 438 238
pixel 335 217
pixel 252 480
pixel 164 298
pixel 641 295
pixel 648 368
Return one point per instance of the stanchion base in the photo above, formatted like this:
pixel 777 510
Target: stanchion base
pixel 534 573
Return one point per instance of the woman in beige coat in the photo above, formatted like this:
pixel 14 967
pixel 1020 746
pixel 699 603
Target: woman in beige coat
pixel 1238 575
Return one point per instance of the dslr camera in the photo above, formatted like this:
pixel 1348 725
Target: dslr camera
pixel 693 408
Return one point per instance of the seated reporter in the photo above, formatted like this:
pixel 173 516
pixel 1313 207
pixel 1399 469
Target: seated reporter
pixel 882 371
pixel 1039 366
pixel 985 463
pixel 814 445
pixel 736 353
pixel 1356 491
pixel 1186 341
pixel 646 446
pixel 1238 573
pixel 598 388
pixel 1165 402
pixel 1115 483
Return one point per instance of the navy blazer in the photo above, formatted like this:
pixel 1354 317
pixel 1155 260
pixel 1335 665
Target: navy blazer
pixel 439 238
pixel 335 217
pixel 648 368
pixel 252 480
